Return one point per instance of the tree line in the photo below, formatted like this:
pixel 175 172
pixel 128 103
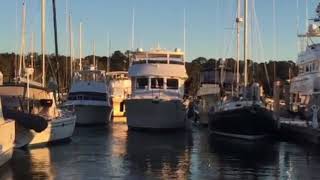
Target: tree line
pixel 263 73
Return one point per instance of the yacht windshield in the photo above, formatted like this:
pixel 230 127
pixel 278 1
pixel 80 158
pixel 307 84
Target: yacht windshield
pixel 157 83
pixel 172 83
pixel 142 83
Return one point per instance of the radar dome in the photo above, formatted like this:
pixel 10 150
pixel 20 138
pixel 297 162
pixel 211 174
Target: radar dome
pixel 177 50
pixel 313 28
pixel 139 50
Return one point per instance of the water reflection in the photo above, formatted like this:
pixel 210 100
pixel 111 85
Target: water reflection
pixel 239 159
pixel 115 153
pixel 158 155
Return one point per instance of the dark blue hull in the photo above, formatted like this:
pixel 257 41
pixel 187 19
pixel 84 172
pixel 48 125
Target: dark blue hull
pixel 252 122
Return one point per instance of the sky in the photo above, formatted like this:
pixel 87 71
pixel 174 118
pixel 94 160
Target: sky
pixel 210 26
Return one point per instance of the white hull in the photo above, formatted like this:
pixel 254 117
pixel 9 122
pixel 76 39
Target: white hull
pixel 7 134
pixel 58 129
pixel 155 114
pixel 90 115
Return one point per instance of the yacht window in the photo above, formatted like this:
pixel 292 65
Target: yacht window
pixel 142 83
pixel 300 69
pixel 157 83
pixel 172 83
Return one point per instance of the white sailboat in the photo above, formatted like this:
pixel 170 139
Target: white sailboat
pixel 33 106
pixel 7 134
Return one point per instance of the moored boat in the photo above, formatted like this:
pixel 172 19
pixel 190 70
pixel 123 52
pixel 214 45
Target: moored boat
pixel 156 102
pixel 90 97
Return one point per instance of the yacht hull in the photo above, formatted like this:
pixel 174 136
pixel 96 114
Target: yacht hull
pixel 92 115
pixel 155 114
pixel 58 129
pixel 245 123
pixel 7 134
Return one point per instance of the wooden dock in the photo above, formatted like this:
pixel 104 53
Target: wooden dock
pixel 298 130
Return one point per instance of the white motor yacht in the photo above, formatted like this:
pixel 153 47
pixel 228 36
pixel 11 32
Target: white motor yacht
pixel 157 78
pixel 305 88
pixel 90 96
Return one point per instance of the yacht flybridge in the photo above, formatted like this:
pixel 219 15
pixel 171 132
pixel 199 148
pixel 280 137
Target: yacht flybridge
pixel 157 78
pixel 306 85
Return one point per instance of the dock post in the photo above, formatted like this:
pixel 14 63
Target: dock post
pixel 315 109
pixel 276 98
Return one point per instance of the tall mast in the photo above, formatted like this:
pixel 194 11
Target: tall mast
pixel 66 46
pixel 132 30
pixel 238 21
pixel 109 51
pixel 55 76
pixel 21 58
pixel 94 53
pixel 184 34
pixel 245 42
pixel 43 40
pixel 70 45
pixel 80 47
pixel 32 50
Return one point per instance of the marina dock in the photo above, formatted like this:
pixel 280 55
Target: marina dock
pixel 298 131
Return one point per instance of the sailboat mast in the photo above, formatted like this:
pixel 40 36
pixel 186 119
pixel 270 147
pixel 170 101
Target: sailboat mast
pixel 238 20
pixel 80 46
pixel 132 29
pixel 70 45
pixel 245 42
pixel 32 50
pixel 109 51
pixel 21 58
pixel 184 35
pixel 43 41
pixel 94 53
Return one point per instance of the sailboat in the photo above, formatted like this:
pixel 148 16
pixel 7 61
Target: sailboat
pixel 7 134
pixel 245 116
pixel 33 106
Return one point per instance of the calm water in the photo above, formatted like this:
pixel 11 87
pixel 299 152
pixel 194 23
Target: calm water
pixel 115 153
